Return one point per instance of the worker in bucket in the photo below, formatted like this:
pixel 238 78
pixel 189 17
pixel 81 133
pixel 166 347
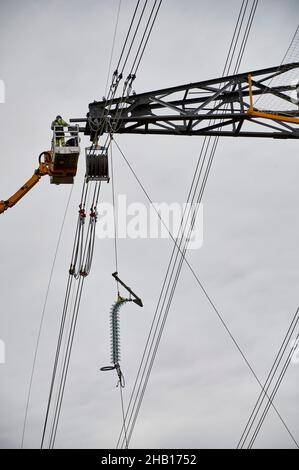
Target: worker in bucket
pixel 58 126
pixel 74 140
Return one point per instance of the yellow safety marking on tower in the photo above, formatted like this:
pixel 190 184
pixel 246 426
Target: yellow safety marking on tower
pixel 261 114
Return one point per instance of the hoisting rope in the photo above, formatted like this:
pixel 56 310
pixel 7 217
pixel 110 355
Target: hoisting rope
pixel 118 76
pixel 80 266
pixel 41 323
pixel 173 270
pixel 114 215
pixel 113 44
pixel 84 245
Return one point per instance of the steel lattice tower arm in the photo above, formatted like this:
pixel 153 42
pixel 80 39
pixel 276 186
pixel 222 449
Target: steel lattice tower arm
pixel 218 107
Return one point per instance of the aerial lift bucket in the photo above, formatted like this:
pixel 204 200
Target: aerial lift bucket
pixel 65 154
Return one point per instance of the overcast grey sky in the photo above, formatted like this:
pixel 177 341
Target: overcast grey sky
pixel 54 58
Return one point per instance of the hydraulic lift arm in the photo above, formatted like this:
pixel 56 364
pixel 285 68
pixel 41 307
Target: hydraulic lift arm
pixel 43 169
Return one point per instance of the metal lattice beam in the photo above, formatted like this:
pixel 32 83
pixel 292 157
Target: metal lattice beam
pixel 217 107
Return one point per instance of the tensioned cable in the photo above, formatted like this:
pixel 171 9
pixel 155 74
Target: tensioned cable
pixel 280 353
pixel 84 197
pixel 205 293
pixel 43 316
pixel 123 416
pixel 234 39
pixel 113 44
pixel 87 258
pixel 108 141
pixel 64 347
pixel 157 336
pixel 148 36
pixel 262 396
pixel 248 364
pixel 62 324
pixel 128 34
pixel 246 34
pixel 62 382
pixel 214 148
pixel 110 136
pixel 144 35
pixel 230 334
pixel 177 253
pixel 134 35
pixel 66 362
pixel 132 75
pixel 159 216
pixel 237 33
pixel 114 212
pixel 57 354
pixel 124 425
pixel 204 153
pixel 268 382
pixel 273 394
pixel 118 76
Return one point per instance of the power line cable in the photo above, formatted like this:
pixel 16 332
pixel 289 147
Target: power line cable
pixel 247 30
pixel 134 35
pixel 114 212
pixel 66 362
pixel 147 38
pixel 85 249
pixel 211 302
pixel 273 394
pixel 84 271
pixel 123 416
pixel 43 316
pixel 128 34
pixel 82 254
pixel 113 44
pixel 270 377
pixel 215 142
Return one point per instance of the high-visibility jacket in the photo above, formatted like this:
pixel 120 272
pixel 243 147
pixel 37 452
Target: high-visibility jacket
pixel 61 123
